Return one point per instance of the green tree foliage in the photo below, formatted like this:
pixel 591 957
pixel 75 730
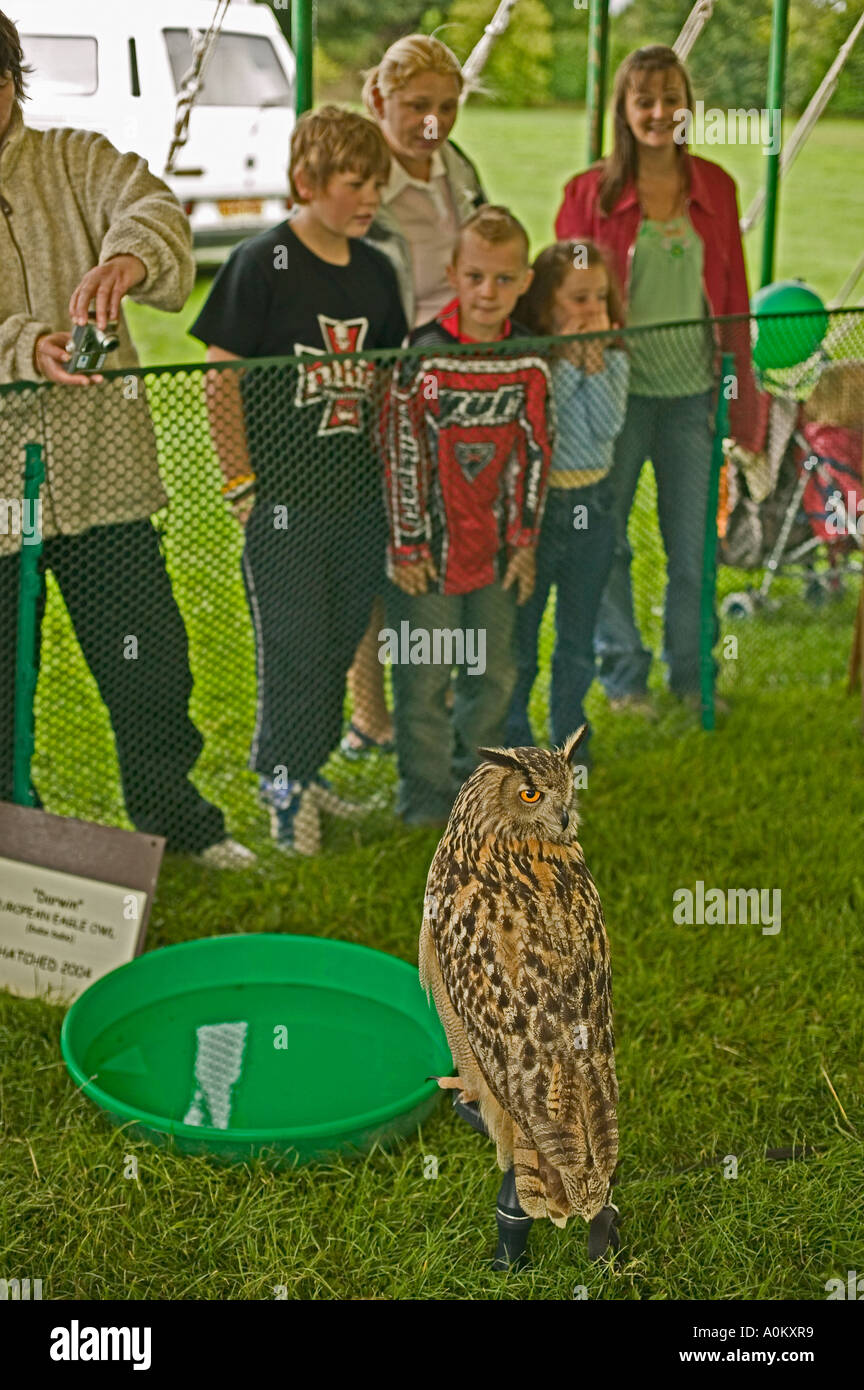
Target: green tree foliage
pixel 817 29
pixel 542 57
pixel 570 49
pixel 729 63
pixel 354 33
pixel 519 69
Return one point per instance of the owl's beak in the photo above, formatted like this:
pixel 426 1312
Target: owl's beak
pixel 565 820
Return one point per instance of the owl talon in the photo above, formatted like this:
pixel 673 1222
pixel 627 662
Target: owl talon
pixel 454 1083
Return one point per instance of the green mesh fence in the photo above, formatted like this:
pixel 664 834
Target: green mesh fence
pixel 792 519
pixel 191 645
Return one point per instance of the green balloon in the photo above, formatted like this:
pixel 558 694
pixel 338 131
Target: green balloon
pixel 784 342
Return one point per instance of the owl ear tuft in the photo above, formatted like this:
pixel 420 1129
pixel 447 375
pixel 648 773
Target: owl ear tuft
pixel 505 757
pixel 572 743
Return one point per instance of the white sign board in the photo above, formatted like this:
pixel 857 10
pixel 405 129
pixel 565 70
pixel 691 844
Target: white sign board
pixel 74 900
pixel 60 932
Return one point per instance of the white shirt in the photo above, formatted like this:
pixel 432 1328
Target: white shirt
pixel 427 219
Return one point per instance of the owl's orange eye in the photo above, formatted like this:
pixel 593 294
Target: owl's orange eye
pixel 529 796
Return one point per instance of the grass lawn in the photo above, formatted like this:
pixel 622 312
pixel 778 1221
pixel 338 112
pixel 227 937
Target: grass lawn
pixel 525 160
pixel 730 1041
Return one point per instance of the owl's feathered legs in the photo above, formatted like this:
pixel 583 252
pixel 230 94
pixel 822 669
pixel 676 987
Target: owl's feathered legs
pixel 514 1226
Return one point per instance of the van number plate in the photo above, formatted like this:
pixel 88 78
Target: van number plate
pixel 231 207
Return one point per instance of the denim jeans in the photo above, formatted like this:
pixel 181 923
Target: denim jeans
pixel 576 560
pixel 435 751
pixel 676 433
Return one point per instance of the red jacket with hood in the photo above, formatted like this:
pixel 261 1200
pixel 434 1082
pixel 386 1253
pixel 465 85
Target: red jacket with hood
pixel 712 206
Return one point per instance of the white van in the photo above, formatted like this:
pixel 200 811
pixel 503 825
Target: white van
pixel 115 67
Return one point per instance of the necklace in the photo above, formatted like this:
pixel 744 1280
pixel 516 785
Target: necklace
pixel 673 207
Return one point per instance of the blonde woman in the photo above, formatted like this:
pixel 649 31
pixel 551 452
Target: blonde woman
pixel 433 189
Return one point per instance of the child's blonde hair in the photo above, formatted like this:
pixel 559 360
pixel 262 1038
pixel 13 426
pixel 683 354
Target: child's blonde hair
pixel 330 141
pixel 495 224
pixel 407 58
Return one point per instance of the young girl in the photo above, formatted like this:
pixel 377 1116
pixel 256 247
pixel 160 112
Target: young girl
pixel 572 292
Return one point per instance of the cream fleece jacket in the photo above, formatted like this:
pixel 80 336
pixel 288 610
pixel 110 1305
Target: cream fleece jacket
pixel 69 201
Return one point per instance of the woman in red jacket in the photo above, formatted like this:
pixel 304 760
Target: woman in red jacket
pixel 670 222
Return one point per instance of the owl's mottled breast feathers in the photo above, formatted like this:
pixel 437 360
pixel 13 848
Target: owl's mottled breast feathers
pixel 521 944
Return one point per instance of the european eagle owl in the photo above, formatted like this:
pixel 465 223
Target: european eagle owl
pixel 513 947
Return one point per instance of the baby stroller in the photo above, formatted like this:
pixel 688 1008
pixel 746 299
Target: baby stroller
pixel 795 505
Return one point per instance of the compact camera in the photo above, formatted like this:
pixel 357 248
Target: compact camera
pixel 90 345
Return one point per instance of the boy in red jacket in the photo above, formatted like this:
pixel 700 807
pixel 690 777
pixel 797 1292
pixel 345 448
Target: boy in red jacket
pixel 467 446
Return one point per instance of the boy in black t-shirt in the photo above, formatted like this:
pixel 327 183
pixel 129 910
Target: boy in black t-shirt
pixel 300 440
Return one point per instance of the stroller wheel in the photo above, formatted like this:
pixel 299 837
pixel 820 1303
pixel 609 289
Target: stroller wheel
pixel 835 586
pixel 816 591
pixel 738 605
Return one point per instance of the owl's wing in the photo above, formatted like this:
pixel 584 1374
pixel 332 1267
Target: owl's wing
pixel 562 1087
pixel 525 962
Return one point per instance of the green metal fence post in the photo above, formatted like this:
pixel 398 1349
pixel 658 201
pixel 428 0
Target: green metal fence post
pixel 709 555
pixel 303 43
pixel 776 83
pixel 29 583
pixel 595 88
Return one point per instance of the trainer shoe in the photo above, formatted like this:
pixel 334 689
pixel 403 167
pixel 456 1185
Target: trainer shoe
pixel 227 854
pixel 294 820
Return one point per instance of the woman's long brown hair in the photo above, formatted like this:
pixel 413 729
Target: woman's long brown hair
pixel 534 308
pixel 620 167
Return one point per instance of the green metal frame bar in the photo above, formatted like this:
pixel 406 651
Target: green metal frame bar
pixel 774 101
pixel 29 585
pixel 709 554
pixel 595 87
pixel 303 43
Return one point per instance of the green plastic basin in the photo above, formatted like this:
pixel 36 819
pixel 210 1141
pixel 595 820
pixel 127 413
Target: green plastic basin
pixel 293 1046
